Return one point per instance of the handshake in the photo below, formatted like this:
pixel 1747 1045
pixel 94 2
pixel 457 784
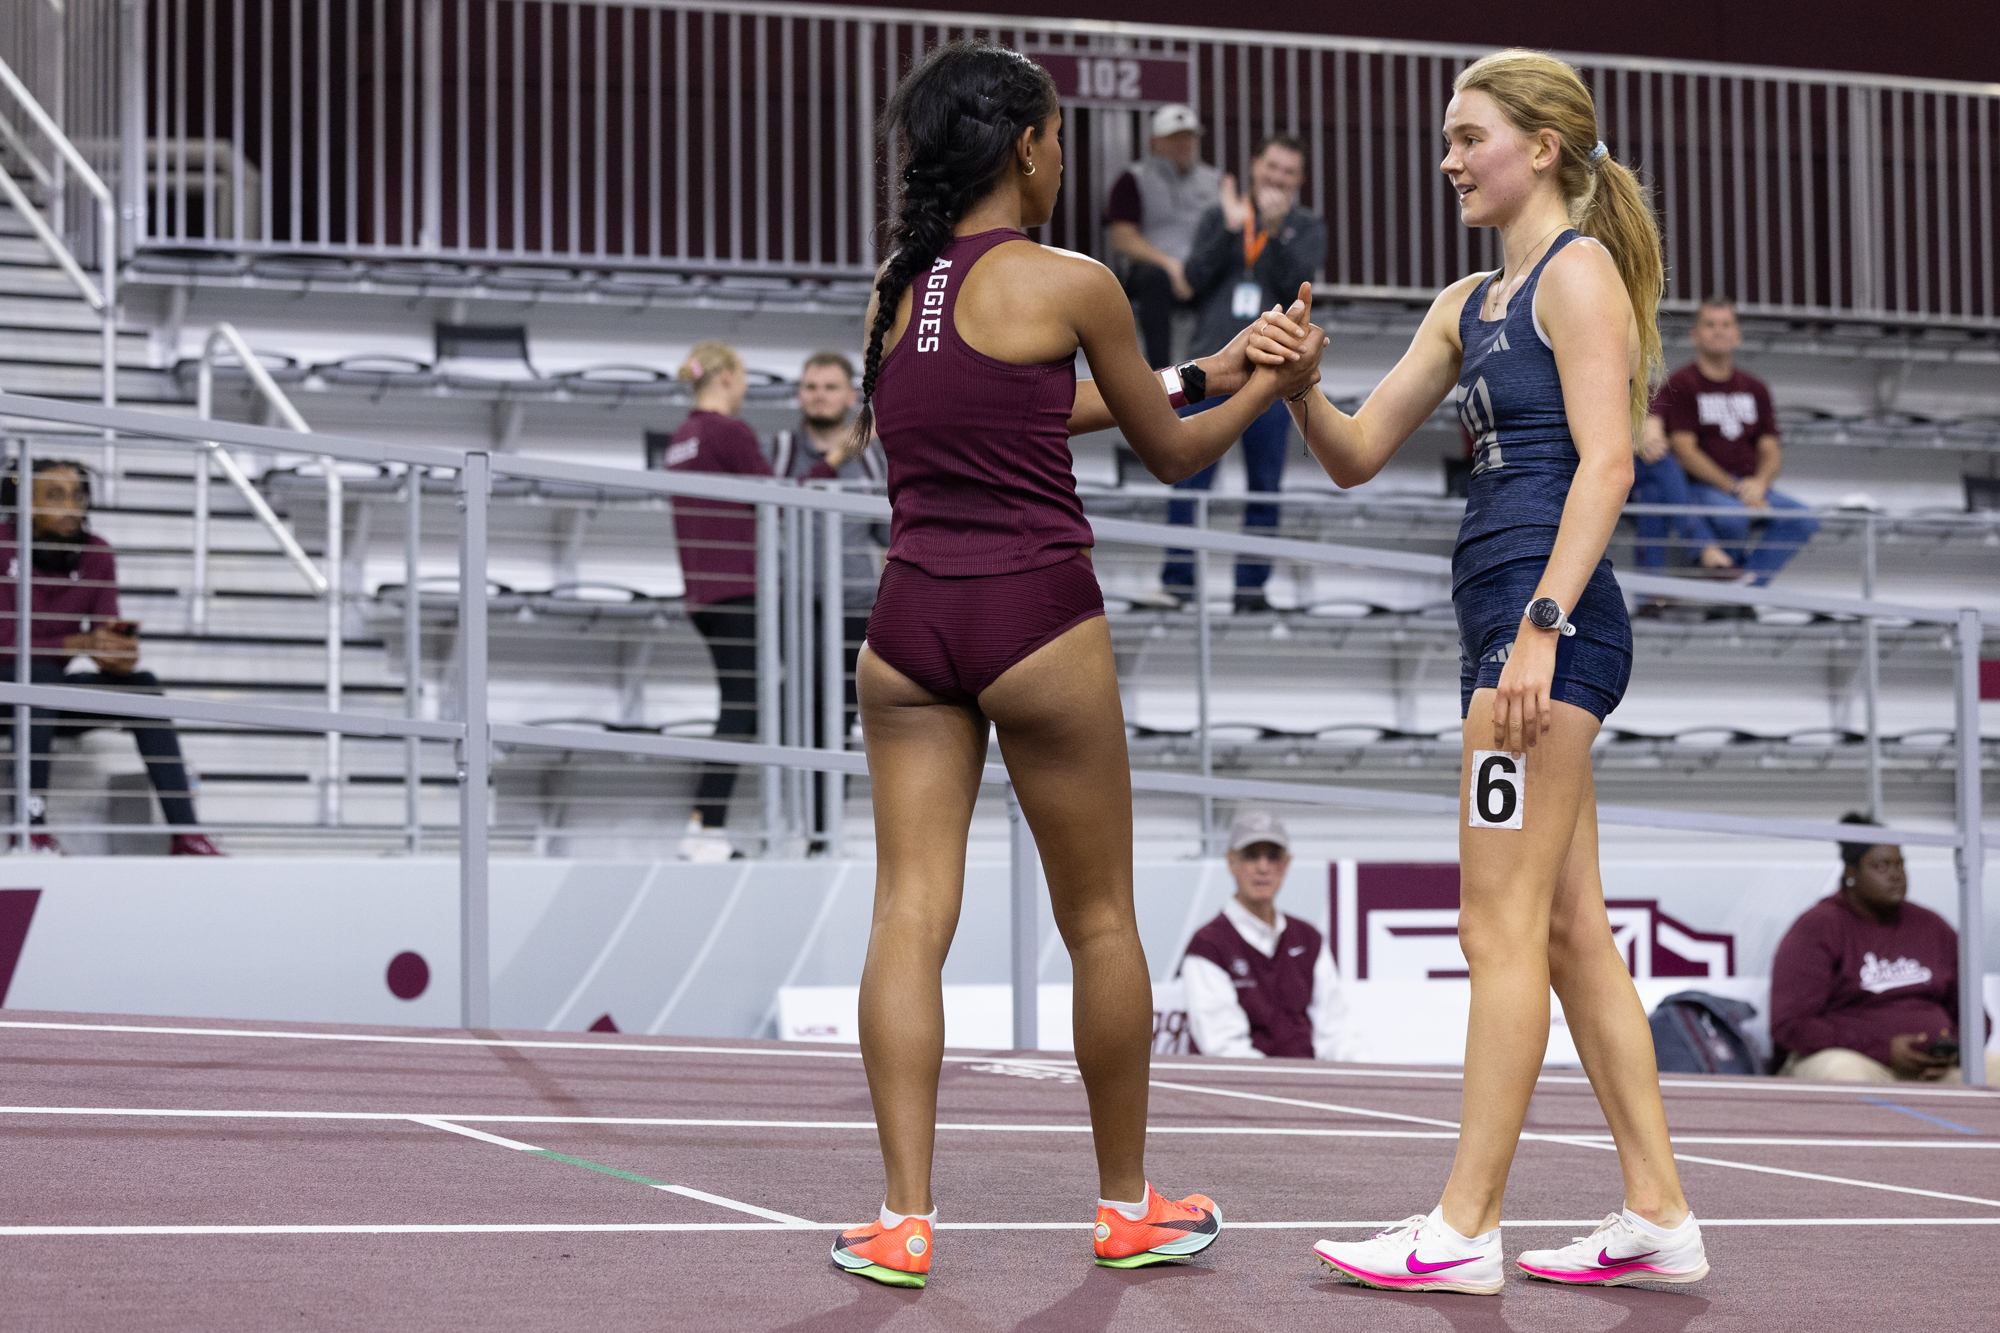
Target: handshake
pixel 1282 345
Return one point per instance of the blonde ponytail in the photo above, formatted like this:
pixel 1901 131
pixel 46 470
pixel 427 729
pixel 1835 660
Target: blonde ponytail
pixel 1607 203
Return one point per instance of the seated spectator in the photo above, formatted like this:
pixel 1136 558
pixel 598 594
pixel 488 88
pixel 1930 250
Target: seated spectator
pixel 1257 982
pixel 1151 216
pixel 717 540
pixel 1864 988
pixel 73 612
pixel 818 450
pixel 1724 435
pixel 1657 479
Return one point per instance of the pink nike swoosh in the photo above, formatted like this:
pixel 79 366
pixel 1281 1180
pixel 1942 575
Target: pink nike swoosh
pixel 1416 1265
pixel 1604 1259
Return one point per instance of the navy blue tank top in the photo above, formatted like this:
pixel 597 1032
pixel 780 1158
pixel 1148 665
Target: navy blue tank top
pixel 1510 401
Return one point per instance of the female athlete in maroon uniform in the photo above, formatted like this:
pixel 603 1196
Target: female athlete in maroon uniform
pixel 989 612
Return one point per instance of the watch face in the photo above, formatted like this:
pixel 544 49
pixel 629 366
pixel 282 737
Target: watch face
pixel 1543 613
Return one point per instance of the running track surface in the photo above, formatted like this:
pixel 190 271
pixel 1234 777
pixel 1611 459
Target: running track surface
pixel 226 1174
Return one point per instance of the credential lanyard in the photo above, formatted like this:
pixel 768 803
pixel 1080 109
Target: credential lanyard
pixel 1253 241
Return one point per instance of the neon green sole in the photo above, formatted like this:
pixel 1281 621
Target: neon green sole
pixel 888 1277
pixel 1139 1260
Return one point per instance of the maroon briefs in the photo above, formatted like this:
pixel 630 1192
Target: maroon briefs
pixel 956 636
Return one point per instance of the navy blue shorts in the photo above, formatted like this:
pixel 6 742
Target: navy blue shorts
pixel 1593 666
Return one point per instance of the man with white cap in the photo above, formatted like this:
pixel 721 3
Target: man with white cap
pixel 1257 982
pixel 1152 213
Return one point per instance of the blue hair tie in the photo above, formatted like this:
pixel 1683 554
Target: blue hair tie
pixel 1599 153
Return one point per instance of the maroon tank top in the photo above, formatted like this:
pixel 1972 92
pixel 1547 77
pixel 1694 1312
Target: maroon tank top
pixel 978 448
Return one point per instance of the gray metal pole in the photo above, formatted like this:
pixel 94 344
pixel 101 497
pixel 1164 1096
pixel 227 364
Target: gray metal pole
pixel 413 658
pixel 336 557
pixel 833 674
pixel 204 408
pixel 1871 647
pixel 1024 970
pixel 132 92
pixel 24 610
pixel 430 229
pixel 797 679
pixel 1202 668
pixel 768 667
pixel 1971 856
pixel 476 750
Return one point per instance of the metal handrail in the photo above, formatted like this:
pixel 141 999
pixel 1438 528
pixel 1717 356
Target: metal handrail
pixel 477 736
pixel 104 296
pixel 327 585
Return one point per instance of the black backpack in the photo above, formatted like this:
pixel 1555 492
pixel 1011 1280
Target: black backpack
pixel 1698 1033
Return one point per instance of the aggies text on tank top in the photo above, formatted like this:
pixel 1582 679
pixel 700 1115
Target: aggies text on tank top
pixel 978 448
pixel 1510 401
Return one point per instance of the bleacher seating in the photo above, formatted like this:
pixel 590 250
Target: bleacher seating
pixel 1352 678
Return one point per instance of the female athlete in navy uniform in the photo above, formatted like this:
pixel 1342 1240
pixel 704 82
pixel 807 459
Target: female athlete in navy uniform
pixel 1549 361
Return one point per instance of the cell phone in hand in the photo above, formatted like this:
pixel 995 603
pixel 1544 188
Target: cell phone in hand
pixel 1944 1048
pixel 125 628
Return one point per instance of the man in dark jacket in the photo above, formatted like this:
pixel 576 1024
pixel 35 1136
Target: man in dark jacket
pixel 74 613
pixel 1864 988
pixel 1250 253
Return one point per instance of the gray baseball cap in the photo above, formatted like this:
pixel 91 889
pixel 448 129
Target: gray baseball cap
pixel 1173 119
pixel 1254 826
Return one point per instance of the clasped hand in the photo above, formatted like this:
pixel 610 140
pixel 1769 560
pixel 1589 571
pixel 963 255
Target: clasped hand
pixel 1283 343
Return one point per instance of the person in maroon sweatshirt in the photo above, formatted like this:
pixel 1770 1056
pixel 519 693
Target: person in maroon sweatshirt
pixel 1864 988
pixel 74 613
pixel 718 553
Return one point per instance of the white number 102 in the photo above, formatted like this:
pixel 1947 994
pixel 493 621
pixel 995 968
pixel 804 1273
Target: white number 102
pixel 1116 80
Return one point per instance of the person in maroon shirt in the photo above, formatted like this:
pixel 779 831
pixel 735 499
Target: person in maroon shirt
pixel 74 613
pixel 1724 434
pixel 1864 988
pixel 718 553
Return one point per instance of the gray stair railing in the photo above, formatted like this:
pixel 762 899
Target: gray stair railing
pixel 101 295
pixel 327 585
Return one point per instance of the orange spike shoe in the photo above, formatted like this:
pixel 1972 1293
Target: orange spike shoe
pixel 1170 1230
pixel 898 1256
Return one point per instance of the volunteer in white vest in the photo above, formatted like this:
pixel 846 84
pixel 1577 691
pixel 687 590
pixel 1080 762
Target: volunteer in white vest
pixel 1151 216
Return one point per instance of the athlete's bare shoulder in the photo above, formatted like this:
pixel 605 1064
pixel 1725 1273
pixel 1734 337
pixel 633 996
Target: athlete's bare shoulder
pixel 1441 320
pixel 1583 269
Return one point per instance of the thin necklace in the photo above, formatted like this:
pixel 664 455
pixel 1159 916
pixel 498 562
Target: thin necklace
pixel 1507 292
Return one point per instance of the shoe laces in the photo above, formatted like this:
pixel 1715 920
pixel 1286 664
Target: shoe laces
pixel 1610 1223
pixel 1407 1227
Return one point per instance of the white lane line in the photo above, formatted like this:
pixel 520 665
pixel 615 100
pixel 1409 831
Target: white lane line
pixel 685 1191
pixel 470 1133
pixel 1783 1171
pixel 801 1050
pixel 456 1122
pixel 1316 1106
pixel 487 1228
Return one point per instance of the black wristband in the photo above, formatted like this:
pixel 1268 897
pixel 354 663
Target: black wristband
pixel 1194 381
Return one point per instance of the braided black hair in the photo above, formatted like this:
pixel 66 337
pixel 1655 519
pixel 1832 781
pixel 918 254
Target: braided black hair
pixel 958 116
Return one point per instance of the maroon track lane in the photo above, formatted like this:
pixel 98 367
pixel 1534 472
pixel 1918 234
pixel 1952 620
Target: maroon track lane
pixel 155 1170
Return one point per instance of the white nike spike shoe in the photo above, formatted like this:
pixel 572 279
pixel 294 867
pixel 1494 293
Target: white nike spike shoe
pixel 1419 1254
pixel 1620 1251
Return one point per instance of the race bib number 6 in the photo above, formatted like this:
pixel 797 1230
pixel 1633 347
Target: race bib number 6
pixel 1499 789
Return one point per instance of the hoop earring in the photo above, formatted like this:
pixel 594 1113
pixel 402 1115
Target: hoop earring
pixel 1030 171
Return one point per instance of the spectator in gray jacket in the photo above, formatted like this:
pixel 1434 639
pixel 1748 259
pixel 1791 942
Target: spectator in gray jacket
pixel 1151 216
pixel 827 399
pixel 1250 253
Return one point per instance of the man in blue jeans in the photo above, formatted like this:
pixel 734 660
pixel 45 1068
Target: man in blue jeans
pixel 1724 435
pixel 1250 253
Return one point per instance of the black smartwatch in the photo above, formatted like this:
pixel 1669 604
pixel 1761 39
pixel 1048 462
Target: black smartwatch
pixel 1546 613
pixel 1194 381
